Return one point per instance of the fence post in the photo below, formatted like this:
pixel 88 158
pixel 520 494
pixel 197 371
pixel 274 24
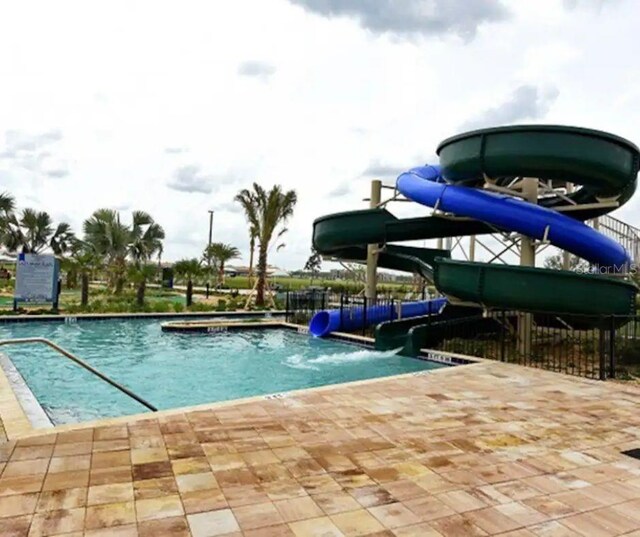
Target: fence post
pixel 286 308
pixel 324 295
pixel 391 310
pixel 341 309
pixel 601 349
pixel 612 348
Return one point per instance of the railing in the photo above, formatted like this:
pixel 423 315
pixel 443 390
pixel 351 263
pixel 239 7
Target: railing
pixel 623 233
pixel 81 363
pixel 587 346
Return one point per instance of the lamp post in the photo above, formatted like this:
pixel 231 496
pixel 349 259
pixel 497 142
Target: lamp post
pixel 210 226
pixel 209 256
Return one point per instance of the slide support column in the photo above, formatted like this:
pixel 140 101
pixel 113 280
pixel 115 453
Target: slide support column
pixel 566 256
pixel 372 249
pixel 527 259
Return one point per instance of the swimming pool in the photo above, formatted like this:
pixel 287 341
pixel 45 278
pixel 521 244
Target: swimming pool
pixel 172 370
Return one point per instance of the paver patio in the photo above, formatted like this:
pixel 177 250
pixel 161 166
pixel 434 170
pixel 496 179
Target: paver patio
pixel 487 449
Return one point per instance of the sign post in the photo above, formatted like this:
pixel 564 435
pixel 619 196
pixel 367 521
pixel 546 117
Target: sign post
pixel 36 280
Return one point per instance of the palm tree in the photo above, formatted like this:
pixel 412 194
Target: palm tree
pixel 146 241
pixel 247 199
pixel 266 210
pixel 139 274
pixel 83 260
pixel 146 237
pixel 33 231
pixel 189 269
pixel 7 206
pixel 115 242
pixel 110 239
pixel 220 253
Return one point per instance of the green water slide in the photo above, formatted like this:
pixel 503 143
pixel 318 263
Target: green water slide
pixel 604 169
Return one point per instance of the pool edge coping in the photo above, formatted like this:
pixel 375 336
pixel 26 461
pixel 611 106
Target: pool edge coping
pixel 21 426
pixel 62 317
pixel 15 421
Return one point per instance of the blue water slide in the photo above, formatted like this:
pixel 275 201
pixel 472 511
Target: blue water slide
pixel 327 321
pixel 426 185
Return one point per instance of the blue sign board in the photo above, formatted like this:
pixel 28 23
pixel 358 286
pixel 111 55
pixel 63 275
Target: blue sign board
pixel 36 278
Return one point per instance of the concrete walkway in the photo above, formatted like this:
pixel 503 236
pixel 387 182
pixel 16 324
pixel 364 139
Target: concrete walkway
pixel 486 449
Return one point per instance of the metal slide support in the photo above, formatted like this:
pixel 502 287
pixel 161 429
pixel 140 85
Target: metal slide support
pixel 372 249
pixel 81 363
pixel 566 256
pixel 527 259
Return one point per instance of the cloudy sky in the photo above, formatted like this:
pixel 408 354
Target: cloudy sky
pixel 172 107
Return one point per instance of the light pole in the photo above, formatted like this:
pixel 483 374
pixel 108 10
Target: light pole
pixel 210 226
pixel 209 253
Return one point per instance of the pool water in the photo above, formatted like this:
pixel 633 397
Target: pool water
pixel 172 370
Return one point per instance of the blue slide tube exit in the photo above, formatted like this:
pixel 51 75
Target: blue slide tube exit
pixel 325 322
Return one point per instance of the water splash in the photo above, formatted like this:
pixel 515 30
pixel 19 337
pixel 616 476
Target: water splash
pixel 355 356
pixel 297 361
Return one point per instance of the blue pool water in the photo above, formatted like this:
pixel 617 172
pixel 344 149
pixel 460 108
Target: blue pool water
pixel 171 370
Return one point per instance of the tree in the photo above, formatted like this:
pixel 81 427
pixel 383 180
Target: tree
pixel 116 242
pixel 7 206
pixel 110 239
pixel 314 263
pixel 576 264
pixel 146 238
pixel 140 274
pixel 220 253
pixel 83 261
pixel 189 269
pixel 32 232
pixel 267 211
pixel 249 204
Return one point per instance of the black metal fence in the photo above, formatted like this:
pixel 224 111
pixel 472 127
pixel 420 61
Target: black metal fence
pixel 588 346
pixel 596 347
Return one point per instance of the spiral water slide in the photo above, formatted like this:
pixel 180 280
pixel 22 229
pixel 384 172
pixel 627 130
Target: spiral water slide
pixel 478 188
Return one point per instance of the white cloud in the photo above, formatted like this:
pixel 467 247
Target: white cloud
pixel 191 179
pixel 342 101
pixel 258 69
pixel 411 18
pixel 525 103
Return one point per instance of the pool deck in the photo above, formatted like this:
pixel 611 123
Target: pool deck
pixel 483 449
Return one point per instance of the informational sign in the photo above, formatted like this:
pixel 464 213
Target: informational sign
pixel 36 278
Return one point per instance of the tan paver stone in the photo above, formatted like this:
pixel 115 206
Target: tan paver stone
pixel 212 523
pixel 57 522
pixel 173 526
pixel 315 527
pixel 257 515
pixel 298 509
pixel 111 493
pixel 394 515
pixel 161 507
pixel 18 504
pixel 356 523
pixel 111 514
pixel 55 500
